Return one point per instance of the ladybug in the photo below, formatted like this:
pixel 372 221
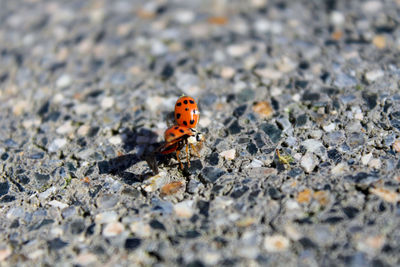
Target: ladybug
pixel 186 112
pixel 177 137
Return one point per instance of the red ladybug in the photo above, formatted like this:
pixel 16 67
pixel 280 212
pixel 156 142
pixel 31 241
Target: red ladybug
pixel 186 112
pixel 177 137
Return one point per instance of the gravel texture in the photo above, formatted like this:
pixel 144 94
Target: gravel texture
pixel 300 106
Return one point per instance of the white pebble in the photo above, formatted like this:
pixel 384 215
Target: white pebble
pixel 329 128
pixel 64 81
pixel 83 130
pixel 107 102
pixel 227 72
pixel 316 134
pixel 5 253
pixel 115 140
pixel 106 217
pixel 57 144
pixel 113 229
pixel 375 163
pixel 262 26
pixel 66 128
pixel 158 48
pixel 58 204
pixel 228 154
pixel 372 6
pixel 374 75
pixel 15 213
pixel 312 145
pixel 85 259
pixel 255 164
pixel 184 209
pixel 44 195
pixel 308 163
pixel 155 182
pixel 339 169
pixel 366 158
pixel 184 16
pixel 269 73
pixel 276 243
pixel 238 50
pixel 337 18
pixel 140 229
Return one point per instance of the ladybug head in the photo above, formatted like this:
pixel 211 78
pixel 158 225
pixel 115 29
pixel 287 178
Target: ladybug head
pixel 196 137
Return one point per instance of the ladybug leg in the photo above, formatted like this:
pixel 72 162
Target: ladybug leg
pixel 195 150
pixel 187 155
pixel 179 160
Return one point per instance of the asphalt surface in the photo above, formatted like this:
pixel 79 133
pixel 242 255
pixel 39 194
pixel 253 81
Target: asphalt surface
pixel 299 105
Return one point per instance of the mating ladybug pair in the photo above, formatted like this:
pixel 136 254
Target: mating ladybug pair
pixel 183 133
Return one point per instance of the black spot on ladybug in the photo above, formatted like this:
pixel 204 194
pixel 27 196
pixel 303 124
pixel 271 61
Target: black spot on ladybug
pixel 191 121
pixel 185 102
pixel 182 131
pixel 179 104
pixel 186 109
pixel 178 115
pixel 185 122
pixel 191 101
pixel 176 127
pixel 172 134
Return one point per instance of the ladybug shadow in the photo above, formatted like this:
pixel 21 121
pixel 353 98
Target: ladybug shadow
pixel 139 145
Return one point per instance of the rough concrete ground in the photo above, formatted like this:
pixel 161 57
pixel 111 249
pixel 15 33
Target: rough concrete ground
pixel 299 102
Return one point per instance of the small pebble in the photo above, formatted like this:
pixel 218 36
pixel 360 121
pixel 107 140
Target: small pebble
pixel 372 7
pixel 228 154
pixel 113 229
pixel 375 164
pixel 155 182
pixel 115 140
pixel 107 102
pixel 238 50
pixel 58 204
pixel 84 259
pixel 396 145
pixel 65 128
pixel 366 158
pixel 64 81
pixel 83 130
pixel 276 243
pixel 57 144
pixel 5 253
pixel 304 196
pixel 330 127
pixel 379 41
pixel 172 188
pixel 184 16
pixel 308 162
pixel 184 209
pixel 255 163
pixel 385 194
pixel 263 109
pixel 46 194
pixel 339 169
pixel 269 73
pixel 140 229
pixel 14 213
pixel 371 244
pixel 373 75
pixel 337 18
pixel 36 254
pixel 312 145
pixel 106 217
pixel 227 72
